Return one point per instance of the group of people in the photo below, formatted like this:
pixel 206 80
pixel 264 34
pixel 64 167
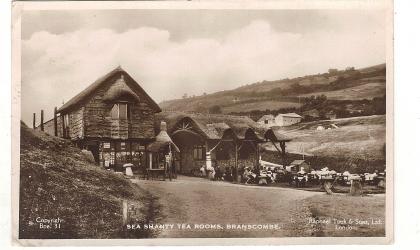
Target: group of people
pixel 316 177
pixel 217 173
pixel 265 175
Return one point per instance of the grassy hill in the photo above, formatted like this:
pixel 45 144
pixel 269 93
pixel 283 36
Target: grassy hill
pixel 58 181
pixel 357 144
pixel 365 83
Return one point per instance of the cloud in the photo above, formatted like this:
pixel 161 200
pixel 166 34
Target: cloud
pixel 58 66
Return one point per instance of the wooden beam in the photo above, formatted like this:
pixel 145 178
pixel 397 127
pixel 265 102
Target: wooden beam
pixel 215 146
pixel 34 121
pixel 235 178
pixel 240 146
pixel 42 120
pixel 55 122
pixel 283 151
pixel 276 146
pixel 257 155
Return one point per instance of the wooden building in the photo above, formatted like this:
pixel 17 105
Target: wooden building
pixel 267 121
pixel 161 154
pixel 225 140
pixel 298 165
pixel 287 119
pixel 117 121
pixel 113 118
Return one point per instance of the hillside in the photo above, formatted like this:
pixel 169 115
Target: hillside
pixel 357 144
pixel 351 84
pixel 57 181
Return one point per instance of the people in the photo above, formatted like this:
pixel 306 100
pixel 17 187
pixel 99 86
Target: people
pixel 203 171
pixel 247 175
pixel 211 172
pixel 228 174
pixel 218 173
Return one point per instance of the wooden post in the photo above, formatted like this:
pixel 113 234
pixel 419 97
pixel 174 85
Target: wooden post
pixel 257 153
pixel 125 216
pixel 283 152
pixel 42 120
pixel 34 121
pixel 62 125
pixel 235 178
pixel 55 122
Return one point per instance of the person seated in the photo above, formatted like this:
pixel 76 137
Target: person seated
pixel 228 174
pixel 246 175
pixel 211 172
pixel 203 171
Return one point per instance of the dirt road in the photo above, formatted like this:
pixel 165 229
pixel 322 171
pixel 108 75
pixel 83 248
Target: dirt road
pixel 212 209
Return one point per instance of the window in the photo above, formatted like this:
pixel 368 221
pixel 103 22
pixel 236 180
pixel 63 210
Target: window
pixel 266 121
pixel 199 153
pixel 120 111
pixel 123 110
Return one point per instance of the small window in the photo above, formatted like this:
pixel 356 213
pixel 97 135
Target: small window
pixel 120 111
pixel 266 121
pixel 199 153
pixel 123 110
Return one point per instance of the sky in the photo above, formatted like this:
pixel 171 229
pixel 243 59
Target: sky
pixel 172 52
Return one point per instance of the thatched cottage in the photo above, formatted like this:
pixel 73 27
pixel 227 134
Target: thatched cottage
pixel 113 118
pixel 225 140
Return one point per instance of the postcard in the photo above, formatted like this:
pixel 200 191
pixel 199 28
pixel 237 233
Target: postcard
pixel 202 122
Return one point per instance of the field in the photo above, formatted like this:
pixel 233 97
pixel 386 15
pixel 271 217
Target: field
pixel 365 91
pixel 246 107
pixel 58 181
pixel 357 143
pixel 355 137
pixel 366 83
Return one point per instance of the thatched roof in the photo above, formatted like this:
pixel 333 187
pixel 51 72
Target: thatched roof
pixel 102 80
pixel 215 126
pixel 119 90
pixel 162 140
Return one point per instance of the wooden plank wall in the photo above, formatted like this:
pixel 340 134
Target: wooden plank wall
pixel 98 122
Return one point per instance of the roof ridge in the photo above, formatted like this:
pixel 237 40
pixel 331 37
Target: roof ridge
pixel 90 88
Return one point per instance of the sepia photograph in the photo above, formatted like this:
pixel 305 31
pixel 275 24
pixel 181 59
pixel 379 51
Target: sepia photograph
pixel 248 123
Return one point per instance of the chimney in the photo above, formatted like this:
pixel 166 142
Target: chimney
pixel 162 126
